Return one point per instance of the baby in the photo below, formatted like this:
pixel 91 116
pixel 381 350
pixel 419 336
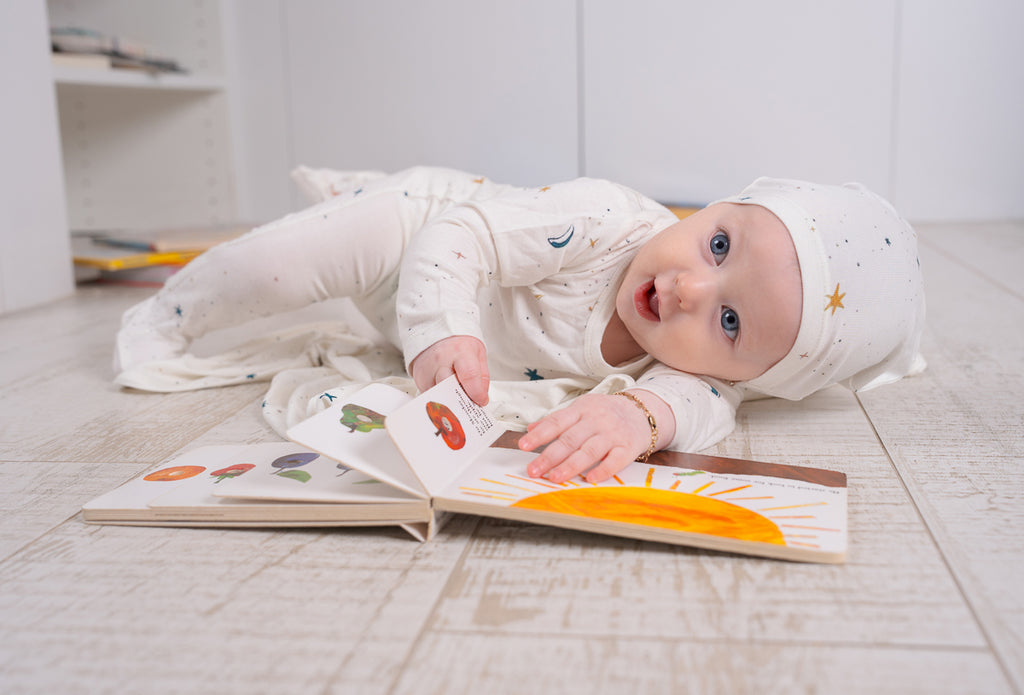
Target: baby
pixel 782 290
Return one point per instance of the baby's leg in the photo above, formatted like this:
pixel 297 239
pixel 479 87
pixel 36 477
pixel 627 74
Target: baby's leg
pixel 340 248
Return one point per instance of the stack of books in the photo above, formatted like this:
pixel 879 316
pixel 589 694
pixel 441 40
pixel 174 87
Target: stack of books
pixel 84 48
pixel 146 257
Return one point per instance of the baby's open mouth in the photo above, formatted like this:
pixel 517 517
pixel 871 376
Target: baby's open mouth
pixel 647 302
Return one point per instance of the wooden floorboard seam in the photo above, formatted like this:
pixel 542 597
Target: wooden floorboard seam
pixel 914 495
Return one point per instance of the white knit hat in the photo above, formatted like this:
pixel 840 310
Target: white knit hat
pixel 863 298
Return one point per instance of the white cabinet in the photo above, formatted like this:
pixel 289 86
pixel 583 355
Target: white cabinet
pixel 143 150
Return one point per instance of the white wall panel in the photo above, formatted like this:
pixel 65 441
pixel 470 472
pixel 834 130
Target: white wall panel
pixel 35 255
pixel 960 134
pixel 256 68
pixel 482 86
pixel 689 101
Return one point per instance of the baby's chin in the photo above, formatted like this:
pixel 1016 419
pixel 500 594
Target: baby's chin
pixel 725 374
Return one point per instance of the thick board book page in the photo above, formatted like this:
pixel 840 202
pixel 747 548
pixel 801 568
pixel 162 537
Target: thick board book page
pixel 352 432
pixel 182 492
pixel 748 507
pixel 440 433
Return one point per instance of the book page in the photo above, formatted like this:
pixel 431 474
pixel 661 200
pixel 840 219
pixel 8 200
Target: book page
pixel 352 432
pixel 278 471
pixel 184 472
pixel 441 432
pixel 286 471
pixel 747 507
pixel 184 491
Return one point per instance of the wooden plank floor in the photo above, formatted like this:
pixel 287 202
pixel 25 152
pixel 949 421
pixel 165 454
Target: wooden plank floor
pixel 928 602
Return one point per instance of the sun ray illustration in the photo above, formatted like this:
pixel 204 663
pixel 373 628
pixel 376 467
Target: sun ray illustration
pixel 510 495
pixel 726 492
pixel 703 487
pixel 498 482
pixel 792 506
pixel 650 476
pixel 469 491
pixel 535 482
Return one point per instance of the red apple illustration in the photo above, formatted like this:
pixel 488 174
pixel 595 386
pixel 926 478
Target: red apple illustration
pixel 448 426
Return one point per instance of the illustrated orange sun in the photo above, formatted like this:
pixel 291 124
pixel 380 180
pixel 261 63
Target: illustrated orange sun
pixel 722 507
pixel 678 511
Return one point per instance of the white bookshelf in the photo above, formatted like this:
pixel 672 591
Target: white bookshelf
pixel 135 79
pixel 143 149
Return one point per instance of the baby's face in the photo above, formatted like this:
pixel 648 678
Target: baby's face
pixel 717 293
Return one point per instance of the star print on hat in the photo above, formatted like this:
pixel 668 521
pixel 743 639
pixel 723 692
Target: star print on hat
pixel 863 297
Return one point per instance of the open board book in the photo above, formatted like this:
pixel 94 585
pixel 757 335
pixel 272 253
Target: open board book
pixel 381 457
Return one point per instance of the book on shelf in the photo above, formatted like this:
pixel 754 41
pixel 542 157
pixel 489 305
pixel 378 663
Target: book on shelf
pixel 174 240
pixel 74 39
pixel 86 251
pixel 381 457
pixel 84 61
pixel 72 45
pixel 125 249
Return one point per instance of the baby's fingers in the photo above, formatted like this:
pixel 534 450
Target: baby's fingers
pixel 574 452
pixel 615 461
pixel 548 428
pixel 471 371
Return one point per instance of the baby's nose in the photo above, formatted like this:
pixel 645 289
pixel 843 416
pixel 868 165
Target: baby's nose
pixel 692 288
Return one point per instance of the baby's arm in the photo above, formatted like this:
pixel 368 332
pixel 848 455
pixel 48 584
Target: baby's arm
pixel 598 434
pixel 438 319
pixel 504 241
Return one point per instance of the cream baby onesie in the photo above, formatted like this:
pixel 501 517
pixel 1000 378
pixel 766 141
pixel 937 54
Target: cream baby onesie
pixel 532 272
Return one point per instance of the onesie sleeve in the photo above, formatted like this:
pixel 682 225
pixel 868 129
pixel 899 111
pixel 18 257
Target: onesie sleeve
pixel 444 265
pixel 515 239
pixel 704 409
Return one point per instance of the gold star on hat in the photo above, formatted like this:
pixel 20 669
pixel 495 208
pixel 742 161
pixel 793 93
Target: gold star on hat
pixel 835 300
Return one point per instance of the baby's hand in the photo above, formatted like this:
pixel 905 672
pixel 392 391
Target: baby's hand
pixel 461 355
pixel 600 433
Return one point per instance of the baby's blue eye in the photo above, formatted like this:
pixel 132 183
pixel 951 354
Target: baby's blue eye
pixel 730 323
pixel 720 246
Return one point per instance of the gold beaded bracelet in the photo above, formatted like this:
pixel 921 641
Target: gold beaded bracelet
pixel 642 458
